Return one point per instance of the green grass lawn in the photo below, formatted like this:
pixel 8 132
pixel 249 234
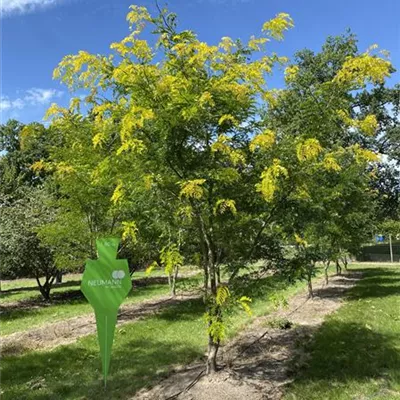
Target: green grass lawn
pixel 68 302
pixel 356 353
pixel 143 351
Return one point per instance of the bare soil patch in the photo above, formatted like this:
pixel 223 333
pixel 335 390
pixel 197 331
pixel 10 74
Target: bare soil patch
pixel 69 330
pixel 261 360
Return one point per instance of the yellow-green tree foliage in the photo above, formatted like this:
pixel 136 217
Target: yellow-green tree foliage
pixel 175 128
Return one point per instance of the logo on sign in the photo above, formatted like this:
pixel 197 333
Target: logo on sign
pixel 118 274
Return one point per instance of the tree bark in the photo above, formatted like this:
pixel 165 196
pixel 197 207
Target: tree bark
pixel 309 282
pixel 326 267
pixel 338 268
pixel 218 274
pixel 48 283
pixel 204 265
pixel 169 276
pixel 213 345
pixel 44 289
pixel 172 281
pixel 211 366
pixel 310 289
pixel 59 277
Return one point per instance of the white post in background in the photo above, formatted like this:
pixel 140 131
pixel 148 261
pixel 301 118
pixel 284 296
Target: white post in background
pixel 391 248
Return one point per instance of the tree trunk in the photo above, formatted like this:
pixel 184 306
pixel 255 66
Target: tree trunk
pixel 44 289
pixel 218 274
pixel 326 267
pixel 213 345
pixel 206 281
pixel 309 282
pixel 213 310
pixel 211 366
pixel 172 281
pixel 310 289
pixel 205 267
pixel 210 285
pixel 338 268
pixel 59 277
pixel 46 292
pixel 48 283
pixel 169 276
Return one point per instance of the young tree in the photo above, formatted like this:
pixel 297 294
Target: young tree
pixel 176 128
pixel 179 132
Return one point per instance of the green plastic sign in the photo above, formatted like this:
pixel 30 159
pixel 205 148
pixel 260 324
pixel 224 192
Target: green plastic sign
pixel 105 283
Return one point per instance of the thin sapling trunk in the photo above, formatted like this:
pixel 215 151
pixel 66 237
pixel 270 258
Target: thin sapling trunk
pixel 310 270
pixel 326 267
pixel 173 278
pixel 338 268
pixel 213 347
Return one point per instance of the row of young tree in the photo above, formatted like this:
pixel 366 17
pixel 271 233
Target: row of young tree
pixel 183 150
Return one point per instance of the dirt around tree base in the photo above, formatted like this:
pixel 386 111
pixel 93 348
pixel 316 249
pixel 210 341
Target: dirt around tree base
pixel 261 360
pixel 69 330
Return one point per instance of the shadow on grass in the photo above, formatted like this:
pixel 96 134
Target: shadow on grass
pixel 347 354
pixel 340 288
pixel 36 303
pixel 73 294
pixel 172 310
pixel 186 310
pixel 259 287
pixel 143 352
pixel 9 292
pixel 136 282
pixel 376 283
pixel 30 307
pixel 74 372
pixel 343 352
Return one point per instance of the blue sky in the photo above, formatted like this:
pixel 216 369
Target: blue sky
pixel 36 34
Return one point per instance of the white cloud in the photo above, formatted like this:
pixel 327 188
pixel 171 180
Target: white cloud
pixel 32 97
pixel 41 96
pixel 18 103
pixel 6 103
pixel 24 6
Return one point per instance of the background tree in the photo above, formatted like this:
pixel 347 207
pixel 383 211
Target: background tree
pixel 21 251
pixel 328 177
pixel 19 153
pixel 17 180
pixel 27 149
